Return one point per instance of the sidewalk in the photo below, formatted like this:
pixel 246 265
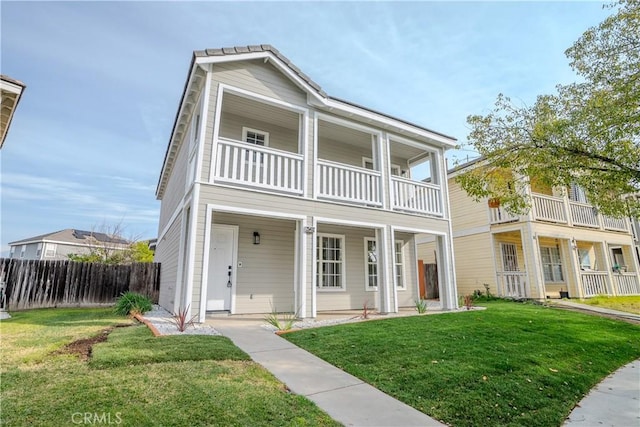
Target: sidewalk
pixel 344 397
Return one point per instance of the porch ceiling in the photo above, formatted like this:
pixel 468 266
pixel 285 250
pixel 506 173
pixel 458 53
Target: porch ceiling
pixel 244 107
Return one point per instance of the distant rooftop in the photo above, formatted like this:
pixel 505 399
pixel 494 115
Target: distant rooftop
pixel 74 236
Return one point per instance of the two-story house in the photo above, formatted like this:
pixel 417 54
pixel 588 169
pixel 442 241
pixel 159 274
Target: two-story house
pixel 276 196
pixel 59 245
pixel 562 247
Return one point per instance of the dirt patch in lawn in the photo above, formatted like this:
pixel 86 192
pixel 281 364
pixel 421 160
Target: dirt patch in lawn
pixel 83 347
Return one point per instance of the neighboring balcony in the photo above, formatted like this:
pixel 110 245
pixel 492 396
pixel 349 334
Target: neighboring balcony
pixel 561 210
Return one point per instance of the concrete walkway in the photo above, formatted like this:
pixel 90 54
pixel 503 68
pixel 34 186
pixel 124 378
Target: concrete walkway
pixel 344 397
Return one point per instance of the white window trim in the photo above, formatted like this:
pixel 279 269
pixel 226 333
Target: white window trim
pixel 319 287
pixel 395 265
pixel 39 250
pixel 561 265
pixel 50 247
pixel 245 130
pixel 366 265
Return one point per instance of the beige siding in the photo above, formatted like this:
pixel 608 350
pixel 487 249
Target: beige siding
pixel 474 263
pixel 258 77
pixel 465 212
pixel 355 295
pixel 167 253
pixel 336 151
pixel 175 188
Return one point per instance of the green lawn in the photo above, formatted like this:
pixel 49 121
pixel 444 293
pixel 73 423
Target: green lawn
pixel 512 364
pixel 134 379
pixel 630 304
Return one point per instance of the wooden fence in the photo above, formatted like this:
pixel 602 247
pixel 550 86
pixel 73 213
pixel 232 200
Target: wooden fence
pixel 39 284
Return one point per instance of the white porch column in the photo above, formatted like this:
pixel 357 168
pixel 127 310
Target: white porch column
pixel 574 262
pixel 303 274
pixel 384 151
pixel 611 281
pixel 536 275
pixel 385 268
pixel 446 273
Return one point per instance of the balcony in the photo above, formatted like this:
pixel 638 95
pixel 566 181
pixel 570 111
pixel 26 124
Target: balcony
pixel 500 215
pixel 244 164
pixel 417 197
pixel 349 183
pixel 564 211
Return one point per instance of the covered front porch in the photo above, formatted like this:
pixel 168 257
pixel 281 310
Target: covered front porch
pixel 256 264
pixel 557 266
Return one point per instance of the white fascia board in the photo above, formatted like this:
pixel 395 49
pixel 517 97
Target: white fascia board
pixel 387 121
pixel 10 87
pixel 172 142
pixel 282 67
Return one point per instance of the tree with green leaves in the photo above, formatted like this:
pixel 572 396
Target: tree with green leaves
pixel 587 134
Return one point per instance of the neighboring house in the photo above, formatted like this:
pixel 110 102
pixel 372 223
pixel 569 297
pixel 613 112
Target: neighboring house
pixel 60 244
pixel 276 196
pixel 10 93
pixel 562 245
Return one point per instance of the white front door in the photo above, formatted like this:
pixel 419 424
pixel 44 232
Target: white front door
pixel 222 272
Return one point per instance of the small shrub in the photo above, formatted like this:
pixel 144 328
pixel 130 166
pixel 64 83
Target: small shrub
pixel 131 303
pixel 468 301
pixel 366 310
pixel 288 319
pixel 421 305
pixel 181 320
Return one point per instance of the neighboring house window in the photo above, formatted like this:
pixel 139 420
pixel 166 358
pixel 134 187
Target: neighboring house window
pixel 371 264
pixel 585 259
pixel 254 136
pixel 50 250
pixel 577 194
pixel 23 250
pixel 399 264
pixel 330 262
pixel 12 252
pixel 551 264
pixel 39 250
pixel 618 260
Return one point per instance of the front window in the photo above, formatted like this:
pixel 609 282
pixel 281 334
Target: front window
pixel 23 251
pixel 254 136
pixel 585 259
pixel 371 264
pixel 399 264
pixel 330 255
pixel 39 250
pixel 551 264
pixel 618 260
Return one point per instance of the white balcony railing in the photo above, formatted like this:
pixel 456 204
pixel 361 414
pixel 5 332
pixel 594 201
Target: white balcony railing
pixel 583 215
pixel 594 283
pixel 626 283
pixel 349 183
pixel 416 196
pixel 549 208
pixel 253 165
pixel 615 224
pixel 512 284
pixel 500 215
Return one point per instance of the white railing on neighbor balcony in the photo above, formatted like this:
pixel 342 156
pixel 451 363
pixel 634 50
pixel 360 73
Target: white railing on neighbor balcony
pixel 594 283
pixel 512 284
pixel 349 183
pixel 242 163
pixel 549 208
pixel 416 196
pixel 583 214
pixel 626 283
pixel 615 224
pixel 500 215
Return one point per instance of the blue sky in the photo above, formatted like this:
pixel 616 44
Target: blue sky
pixel 104 80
